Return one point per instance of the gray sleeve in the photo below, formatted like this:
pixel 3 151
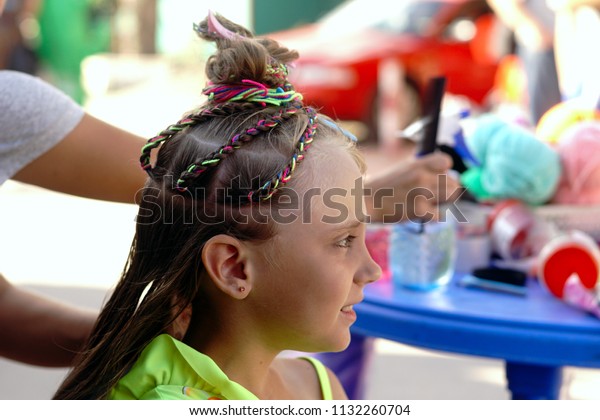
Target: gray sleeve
pixel 34 117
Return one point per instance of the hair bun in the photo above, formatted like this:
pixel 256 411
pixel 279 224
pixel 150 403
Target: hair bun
pixel 240 56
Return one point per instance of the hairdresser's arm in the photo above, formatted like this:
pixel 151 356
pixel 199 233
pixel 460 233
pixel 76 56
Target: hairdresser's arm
pixel 409 188
pixel 40 331
pixel 95 160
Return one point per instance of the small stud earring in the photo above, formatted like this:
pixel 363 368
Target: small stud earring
pixel 241 289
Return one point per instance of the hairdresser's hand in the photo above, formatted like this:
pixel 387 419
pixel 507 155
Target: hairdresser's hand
pixel 411 188
pixel 38 330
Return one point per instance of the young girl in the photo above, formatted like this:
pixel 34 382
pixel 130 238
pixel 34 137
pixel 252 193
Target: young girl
pixel 249 241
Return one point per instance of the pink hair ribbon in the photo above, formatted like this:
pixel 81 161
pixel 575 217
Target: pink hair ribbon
pixel 215 26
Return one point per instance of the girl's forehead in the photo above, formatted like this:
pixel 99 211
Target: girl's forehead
pixel 336 190
pixel 326 193
pixel 334 165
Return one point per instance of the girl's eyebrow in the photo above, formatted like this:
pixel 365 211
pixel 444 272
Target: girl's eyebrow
pixel 352 224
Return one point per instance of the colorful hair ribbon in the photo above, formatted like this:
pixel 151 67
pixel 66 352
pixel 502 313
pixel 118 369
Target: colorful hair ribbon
pixel 216 28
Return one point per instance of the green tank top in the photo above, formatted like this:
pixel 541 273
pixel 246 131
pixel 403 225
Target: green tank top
pixel 168 369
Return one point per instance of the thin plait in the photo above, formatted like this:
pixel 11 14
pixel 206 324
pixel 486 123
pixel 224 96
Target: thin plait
pixel 189 120
pixel 159 139
pixel 194 170
pixel 269 188
pixel 277 74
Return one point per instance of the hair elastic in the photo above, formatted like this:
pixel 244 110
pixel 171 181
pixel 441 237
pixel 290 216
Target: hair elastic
pixel 332 124
pixel 250 91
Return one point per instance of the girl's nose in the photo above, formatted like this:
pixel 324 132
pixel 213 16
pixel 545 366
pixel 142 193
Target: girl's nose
pixel 369 271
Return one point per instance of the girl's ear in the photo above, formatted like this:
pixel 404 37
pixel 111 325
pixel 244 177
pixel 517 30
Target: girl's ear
pixel 226 259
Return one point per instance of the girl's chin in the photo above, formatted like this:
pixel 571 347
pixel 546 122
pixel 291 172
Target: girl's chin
pixel 340 344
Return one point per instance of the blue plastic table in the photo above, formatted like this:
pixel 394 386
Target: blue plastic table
pixel 535 334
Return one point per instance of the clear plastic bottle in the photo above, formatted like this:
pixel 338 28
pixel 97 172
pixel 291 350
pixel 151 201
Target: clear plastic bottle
pixel 422 255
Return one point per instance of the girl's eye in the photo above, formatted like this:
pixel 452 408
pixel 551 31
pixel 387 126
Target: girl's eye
pixel 346 242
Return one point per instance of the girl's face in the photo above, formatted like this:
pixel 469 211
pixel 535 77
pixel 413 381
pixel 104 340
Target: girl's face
pixel 314 271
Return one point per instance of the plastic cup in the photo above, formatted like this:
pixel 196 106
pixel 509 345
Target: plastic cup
pixel 422 255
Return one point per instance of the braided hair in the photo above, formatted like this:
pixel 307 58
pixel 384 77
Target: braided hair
pixel 234 154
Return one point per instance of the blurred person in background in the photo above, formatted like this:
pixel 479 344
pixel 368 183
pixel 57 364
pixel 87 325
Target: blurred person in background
pixel 53 37
pixel 69 31
pixel 17 36
pixel 532 23
pixel 576 41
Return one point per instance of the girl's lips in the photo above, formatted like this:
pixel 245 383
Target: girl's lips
pixel 348 312
pixel 350 306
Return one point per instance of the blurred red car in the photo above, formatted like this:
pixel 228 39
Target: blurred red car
pixel 342 55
